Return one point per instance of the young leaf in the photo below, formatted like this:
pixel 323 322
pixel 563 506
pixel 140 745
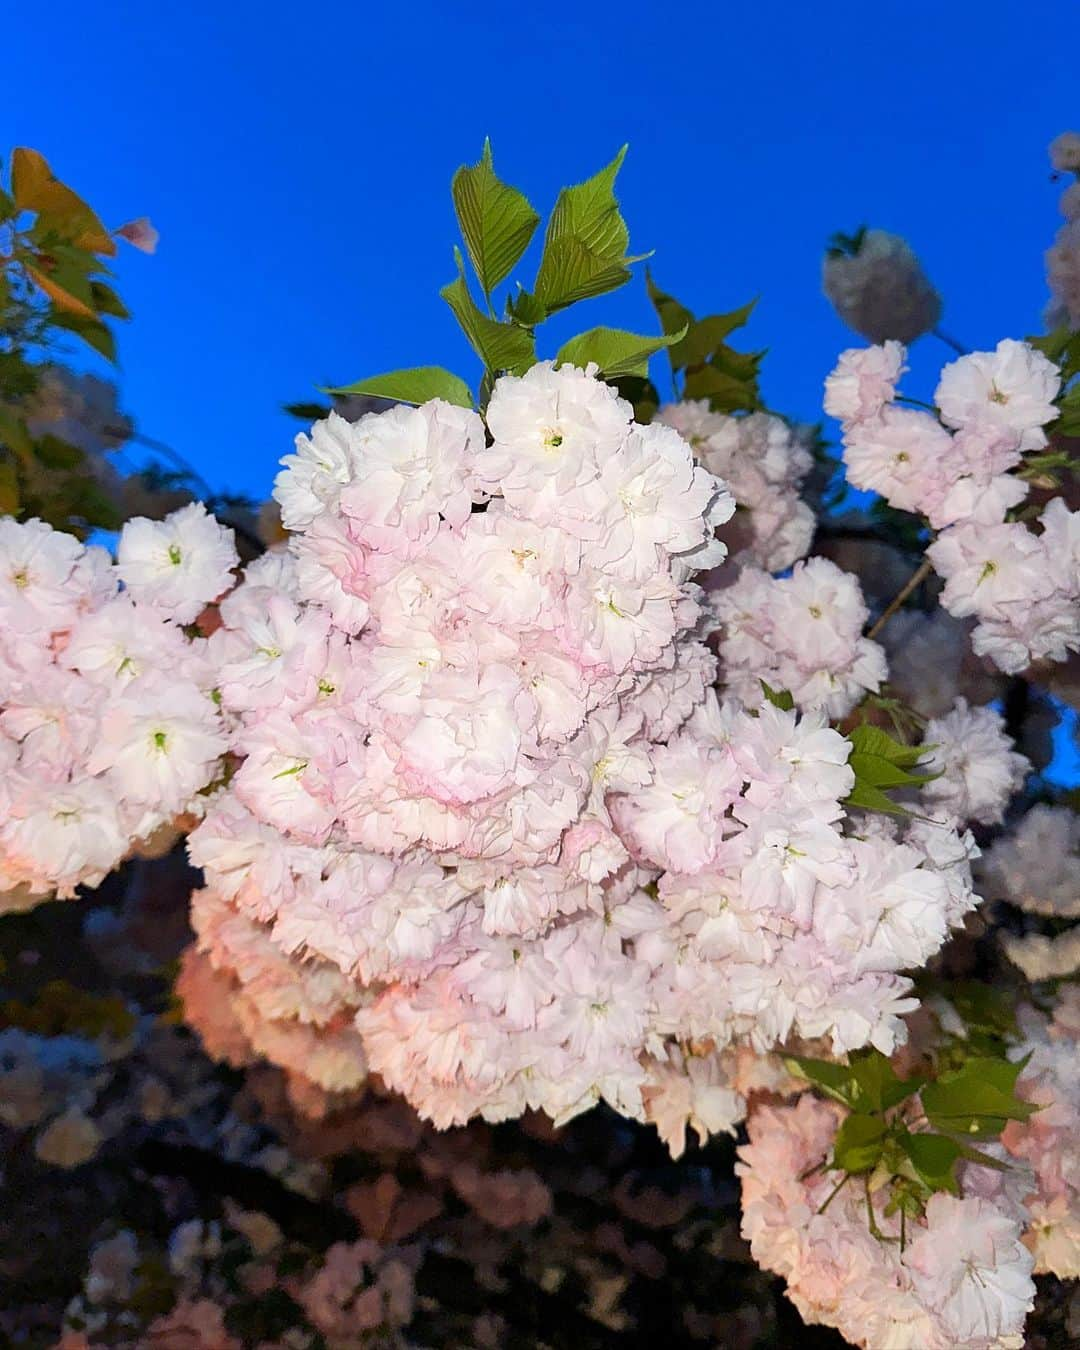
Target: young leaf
pixel 414 385
pixel 525 309
pixel 706 335
pixel 585 243
pixel 859 1142
pixel 976 1100
pixel 501 346
pixel 673 315
pixel 779 698
pixel 878 1086
pixel 496 220
pixel 934 1158
pixel 725 393
pixel 879 761
pixel 835 1080
pixel 615 351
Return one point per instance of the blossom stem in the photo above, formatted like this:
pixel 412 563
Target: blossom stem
pixel 913 582
pixel 957 347
pixel 834 1192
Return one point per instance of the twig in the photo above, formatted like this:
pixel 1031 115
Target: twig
pixel 952 342
pixel 913 583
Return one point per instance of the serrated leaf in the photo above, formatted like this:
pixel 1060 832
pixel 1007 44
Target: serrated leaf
pixel 779 698
pixel 673 315
pixel 878 1087
pixel 835 1080
pixel 724 392
pixel 868 798
pixel 859 1142
pixel 934 1158
pixel 501 346
pixel 614 350
pixel 415 384
pixel 496 221
pixel 525 309
pixel 871 740
pixel 976 1100
pixel 880 773
pixel 704 336
pixel 585 243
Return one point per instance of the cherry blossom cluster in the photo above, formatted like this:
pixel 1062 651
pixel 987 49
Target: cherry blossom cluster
pixel 763 462
pixel 1022 586
pixel 962 1277
pixel 1050 1141
pixel 489 835
pixel 978 769
pixel 801 633
pixel 1036 867
pixel 434 703
pixel 108 726
pixel 1063 256
pixel 878 287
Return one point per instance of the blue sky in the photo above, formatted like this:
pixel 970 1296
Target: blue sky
pixel 297 159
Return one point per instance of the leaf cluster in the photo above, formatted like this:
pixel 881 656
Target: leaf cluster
pixel 882 763
pixel 882 1139
pixel 584 255
pixel 54 270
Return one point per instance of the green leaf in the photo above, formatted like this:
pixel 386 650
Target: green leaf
pixel 673 315
pixel 835 1080
pixel 859 1142
pixel 706 335
pixel 867 798
pixel 726 393
pixel 415 385
pixel 585 243
pixel 614 350
pixel 496 220
pixel 934 1158
pixel 779 698
pixel 871 740
pixel 525 309
pixel 880 761
pixel 94 333
pixel 878 1086
pixel 976 1100
pixel 106 301
pixel 501 346
pixel 642 394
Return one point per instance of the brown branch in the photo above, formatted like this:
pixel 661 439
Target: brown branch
pixel 913 583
